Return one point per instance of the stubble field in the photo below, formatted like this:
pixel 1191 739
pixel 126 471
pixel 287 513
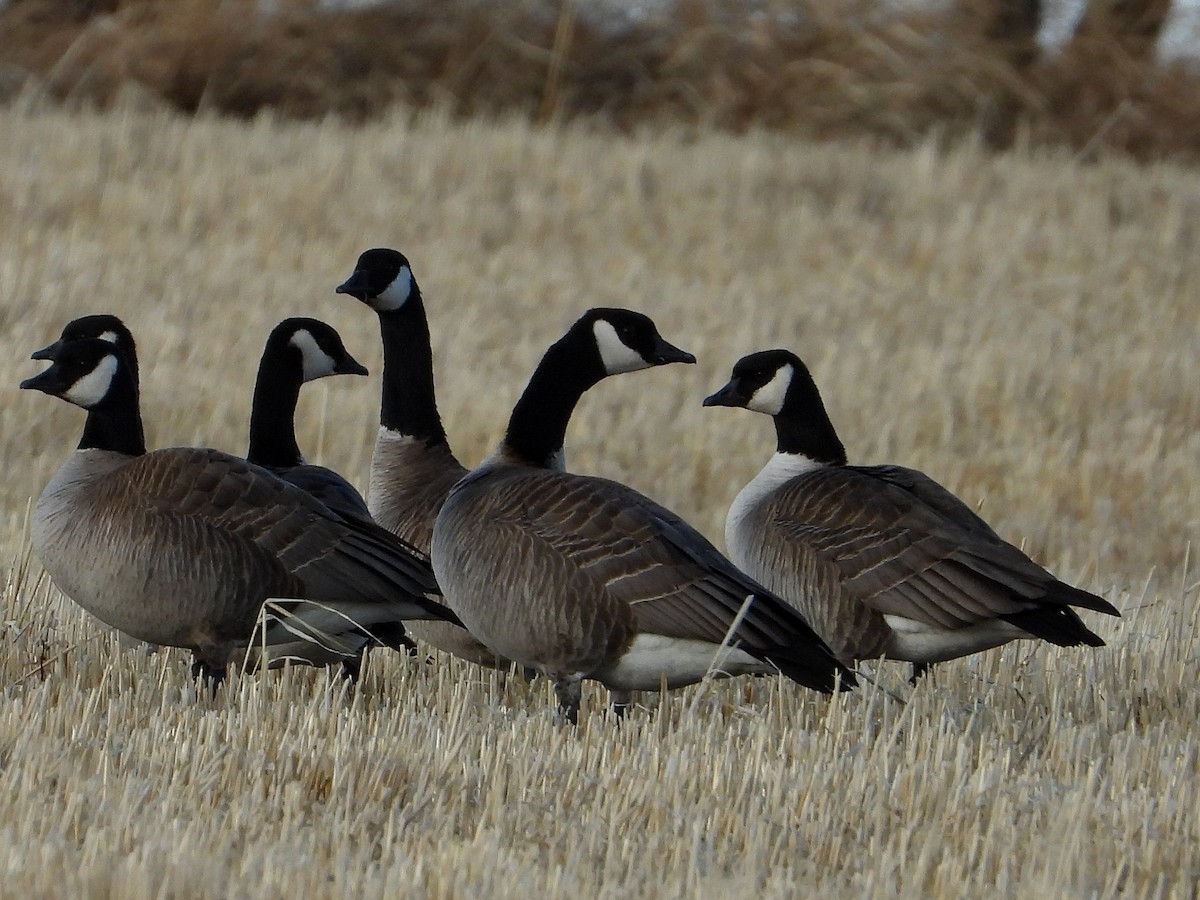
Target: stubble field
pixel 1023 328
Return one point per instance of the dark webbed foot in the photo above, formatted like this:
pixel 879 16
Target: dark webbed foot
pixel 568 691
pixel 212 676
pixel 918 672
pixel 619 702
pixel 393 635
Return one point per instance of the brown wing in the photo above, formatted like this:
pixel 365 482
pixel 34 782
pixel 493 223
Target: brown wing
pixel 905 546
pixel 330 488
pixel 335 557
pixel 674 580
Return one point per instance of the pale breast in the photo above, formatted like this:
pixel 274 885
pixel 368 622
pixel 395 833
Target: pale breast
pixel 782 561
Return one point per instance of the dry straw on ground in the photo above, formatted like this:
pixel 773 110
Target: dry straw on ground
pixel 1021 327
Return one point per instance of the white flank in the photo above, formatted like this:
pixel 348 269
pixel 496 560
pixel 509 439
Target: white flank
pixel 92 387
pixel 615 354
pixel 921 642
pixel 654 658
pixel 317 363
pixel 769 398
pixel 396 294
pixel 780 468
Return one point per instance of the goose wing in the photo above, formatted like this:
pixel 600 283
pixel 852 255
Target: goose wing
pixel 327 486
pixel 337 558
pixel 674 580
pixel 906 546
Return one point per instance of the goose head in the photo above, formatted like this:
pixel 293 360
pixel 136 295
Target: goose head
pixel 778 384
pixel 313 347
pixel 620 340
pixel 382 279
pixel 102 326
pixel 84 372
pixel 767 382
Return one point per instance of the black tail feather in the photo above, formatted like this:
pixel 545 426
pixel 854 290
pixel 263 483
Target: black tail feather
pixel 1060 592
pixel 1057 624
pixel 816 669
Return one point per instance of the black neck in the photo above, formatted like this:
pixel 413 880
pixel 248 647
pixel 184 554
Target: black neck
pixel 116 424
pixel 538 426
pixel 273 414
pixel 407 404
pixel 810 433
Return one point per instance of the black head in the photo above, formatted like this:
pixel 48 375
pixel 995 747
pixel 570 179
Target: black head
pixel 382 279
pixel 315 346
pixel 626 341
pixel 102 326
pixel 763 382
pixel 82 372
pixel 777 383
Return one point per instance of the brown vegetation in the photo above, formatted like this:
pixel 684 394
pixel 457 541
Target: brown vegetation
pixel 1021 327
pixel 821 68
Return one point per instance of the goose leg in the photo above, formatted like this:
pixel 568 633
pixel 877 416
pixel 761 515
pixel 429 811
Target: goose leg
pixel 393 636
pixel 212 676
pixel 568 691
pixel 620 702
pixel 918 671
pixel 352 667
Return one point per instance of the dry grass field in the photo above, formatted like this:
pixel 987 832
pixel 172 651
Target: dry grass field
pixel 1022 327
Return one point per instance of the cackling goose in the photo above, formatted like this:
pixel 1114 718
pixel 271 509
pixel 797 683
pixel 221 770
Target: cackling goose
pixel 413 467
pixel 183 546
pixel 882 560
pixel 583 577
pixel 298 350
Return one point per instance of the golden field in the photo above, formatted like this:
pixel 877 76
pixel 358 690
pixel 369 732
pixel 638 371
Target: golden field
pixel 1022 327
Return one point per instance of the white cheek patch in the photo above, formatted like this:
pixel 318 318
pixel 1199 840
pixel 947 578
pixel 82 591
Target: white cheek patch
pixel 769 398
pixel 89 390
pixel 396 294
pixel 317 363
pixel 110 336
pixel 615 354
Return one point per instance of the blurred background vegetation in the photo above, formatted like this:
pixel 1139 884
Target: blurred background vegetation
pixel 897 72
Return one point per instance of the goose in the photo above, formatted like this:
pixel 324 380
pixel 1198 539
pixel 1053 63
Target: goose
pixel 882 560
pixel 413 467
pixel 182 546
pixel 298 350
pixel 582 577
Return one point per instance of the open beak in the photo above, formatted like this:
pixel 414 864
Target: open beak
pixel 47 352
